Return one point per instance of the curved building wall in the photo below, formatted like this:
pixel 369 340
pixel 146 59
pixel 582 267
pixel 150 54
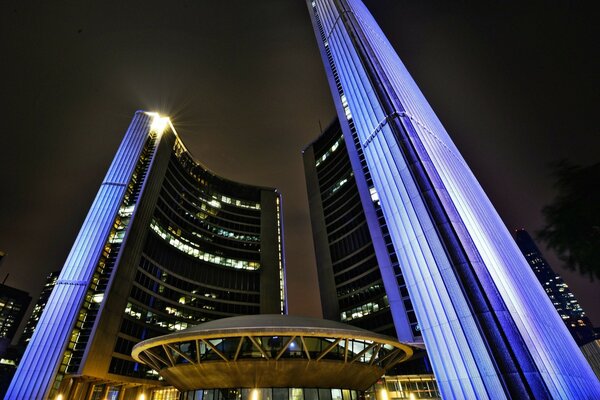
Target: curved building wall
pixel 360 279
pixel 201 259
pixel 352 242
pixel 166 244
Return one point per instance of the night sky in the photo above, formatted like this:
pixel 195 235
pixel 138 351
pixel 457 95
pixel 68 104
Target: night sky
pixel 516 85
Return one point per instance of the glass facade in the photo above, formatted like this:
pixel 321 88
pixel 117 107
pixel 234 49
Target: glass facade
pixel 264 348
pixel 410 387
pixel 271 394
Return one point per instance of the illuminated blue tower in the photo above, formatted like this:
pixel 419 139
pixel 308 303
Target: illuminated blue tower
pixel 489 328
pixel 166 244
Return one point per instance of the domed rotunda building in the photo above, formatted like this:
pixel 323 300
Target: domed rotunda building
pixel 272 357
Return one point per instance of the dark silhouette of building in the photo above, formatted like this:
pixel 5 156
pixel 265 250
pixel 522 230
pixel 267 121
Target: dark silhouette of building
pixel 560 295
pixel 166 244
pixel 13 305
pixel 483 318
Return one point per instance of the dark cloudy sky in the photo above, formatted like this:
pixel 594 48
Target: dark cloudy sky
pixel 516 85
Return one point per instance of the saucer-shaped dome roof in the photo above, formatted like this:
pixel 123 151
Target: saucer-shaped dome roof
pixel 272 351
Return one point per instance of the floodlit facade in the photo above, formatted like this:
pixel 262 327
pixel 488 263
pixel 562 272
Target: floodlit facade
pixel 167 244
pixel 489 329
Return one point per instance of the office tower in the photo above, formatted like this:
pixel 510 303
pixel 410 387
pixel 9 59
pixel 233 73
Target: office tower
pixel 352 243
pixel 489 328
pixel 166 244
pixel 560 295
pixel 13 305
pixel 353 248
pixel 36 313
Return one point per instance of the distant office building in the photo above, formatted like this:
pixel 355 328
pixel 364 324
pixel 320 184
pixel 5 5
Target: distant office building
pixel 38 308
pixel 13 305
pixel 484 321
pixel 559 293
pixel 166 244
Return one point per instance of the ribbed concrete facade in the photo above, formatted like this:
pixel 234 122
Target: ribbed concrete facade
pixel 489 328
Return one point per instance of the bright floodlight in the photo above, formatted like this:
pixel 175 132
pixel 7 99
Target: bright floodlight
pixel 159 123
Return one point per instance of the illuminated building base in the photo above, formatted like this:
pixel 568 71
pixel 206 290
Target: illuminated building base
pixel 410 387
pixel 271 394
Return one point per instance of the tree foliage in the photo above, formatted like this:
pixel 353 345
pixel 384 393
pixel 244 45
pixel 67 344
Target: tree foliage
pixel 572 220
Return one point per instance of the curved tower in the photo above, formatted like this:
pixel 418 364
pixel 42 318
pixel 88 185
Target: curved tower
pixel 167 244
pixel 489 328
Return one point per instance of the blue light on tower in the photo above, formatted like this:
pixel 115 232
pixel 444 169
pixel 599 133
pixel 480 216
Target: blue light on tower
pixel 489 328
pixel 43 363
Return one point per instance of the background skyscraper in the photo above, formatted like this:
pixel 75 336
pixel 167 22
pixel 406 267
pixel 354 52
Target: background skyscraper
pixel 484 322
pixel 13 305
pixel 166 244
pixel 557 290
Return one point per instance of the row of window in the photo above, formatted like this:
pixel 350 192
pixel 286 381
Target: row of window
pixel 185 292
pixel 210 242
pixel 348 244
pixel 266 347
pixel 332 149
pixel 158 260
pixel 195 251
pixel 202 220
pixel 271 394
pixel 195 201
pixel 205 181
pixel 344 216
pixel 339 165
pixel 133 369
pixel 364 309
pixel 352 261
